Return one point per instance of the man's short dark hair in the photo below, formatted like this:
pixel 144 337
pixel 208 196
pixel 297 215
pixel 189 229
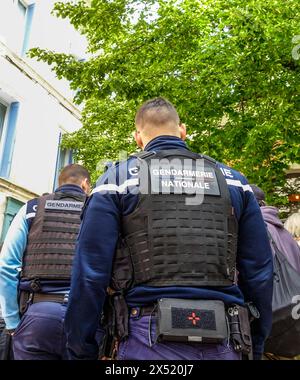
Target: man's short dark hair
pixel 259 194
pixel 158 112
pixel 73 173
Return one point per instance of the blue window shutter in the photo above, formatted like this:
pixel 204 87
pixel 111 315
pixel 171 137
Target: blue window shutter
pixel 71 159
pixel 2 117
pixel 28 23
pixel 57 166
pixel 9 142
pixel 12 208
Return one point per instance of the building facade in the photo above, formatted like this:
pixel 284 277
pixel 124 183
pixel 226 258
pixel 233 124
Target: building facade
pixel 35 107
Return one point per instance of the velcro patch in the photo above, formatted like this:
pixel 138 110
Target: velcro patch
pixel 57 205
pixel 185 178
pixel 193 318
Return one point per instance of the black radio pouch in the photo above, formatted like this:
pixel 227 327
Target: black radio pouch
pixel 199 321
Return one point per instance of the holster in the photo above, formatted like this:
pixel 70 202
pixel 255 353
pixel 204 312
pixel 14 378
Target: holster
pixel 24 301
pixel 240 333
pixel 121 316
pixel 25 296
pixel 115 324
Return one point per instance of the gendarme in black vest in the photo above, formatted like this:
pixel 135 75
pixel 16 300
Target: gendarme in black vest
pixel 172 242
pixel 51 240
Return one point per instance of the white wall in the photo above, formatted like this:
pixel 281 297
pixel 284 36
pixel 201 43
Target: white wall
pixel 37 131
pixel 40 117
pixel 47 31
pixel 50 32
pixel 11 25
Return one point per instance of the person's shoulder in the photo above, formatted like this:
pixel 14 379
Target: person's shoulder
pixel 32 204
pixel 118 167
pixel 240 191
pixel 229 172
pixel 234 178
pixel 118 176
pixel 31 207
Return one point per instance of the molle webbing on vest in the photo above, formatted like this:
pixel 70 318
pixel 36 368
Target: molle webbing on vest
pixel 122 271
pixel 51 241
pixel 172 243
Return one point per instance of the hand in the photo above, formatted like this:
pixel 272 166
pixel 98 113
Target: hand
pixel 10 331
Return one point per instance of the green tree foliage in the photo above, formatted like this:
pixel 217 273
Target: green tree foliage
pixel 229 66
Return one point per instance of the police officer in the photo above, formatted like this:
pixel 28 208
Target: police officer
pixel 287 273
pixel 195 257
pixel 35 267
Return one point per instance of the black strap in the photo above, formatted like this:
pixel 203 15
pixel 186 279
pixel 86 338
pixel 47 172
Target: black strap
pixel 142 311
pixel 76 196
pixel 144 154
pixel 46 240
pixel 62 219
pixel 57 262
pixel 277 251
pixel 171 152
pixel 60 229
pixel 50 273
pixel 212 160
pixel 40 297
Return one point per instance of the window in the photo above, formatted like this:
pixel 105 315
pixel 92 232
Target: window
pixel 7 140
pixel 22 9
pixel 12 208
pixel 15 24
pixel 3 110
pixel 64 157
pixel 28 15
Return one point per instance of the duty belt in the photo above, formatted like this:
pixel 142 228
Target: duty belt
pixel 237 316
pixel 139 312
pixel 43 297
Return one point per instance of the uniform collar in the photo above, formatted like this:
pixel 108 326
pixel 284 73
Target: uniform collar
pixel 70 188
pixel 166 142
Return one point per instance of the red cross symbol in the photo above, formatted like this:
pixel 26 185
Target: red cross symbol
pixel 194 318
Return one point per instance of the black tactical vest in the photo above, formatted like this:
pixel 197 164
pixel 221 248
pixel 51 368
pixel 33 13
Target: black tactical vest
pixel 183 231
pixel 51 240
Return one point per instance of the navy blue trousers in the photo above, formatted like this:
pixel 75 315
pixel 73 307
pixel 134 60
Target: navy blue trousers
pixel 40 334
pixel 139 346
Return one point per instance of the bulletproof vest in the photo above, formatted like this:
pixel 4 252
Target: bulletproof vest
pixel 183 231
pixel 51 240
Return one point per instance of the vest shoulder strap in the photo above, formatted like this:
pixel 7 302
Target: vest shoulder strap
pixel 76 196
pixel 173 152
pixel 143 155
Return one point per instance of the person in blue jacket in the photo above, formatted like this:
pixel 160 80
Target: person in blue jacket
pixel 35 267
pixel 216 249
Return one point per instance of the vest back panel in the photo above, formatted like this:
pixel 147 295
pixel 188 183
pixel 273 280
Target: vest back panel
pixel 176 237
pixel 51 241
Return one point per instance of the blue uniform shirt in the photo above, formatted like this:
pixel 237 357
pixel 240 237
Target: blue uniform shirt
pixel 11 261
pixel 97 242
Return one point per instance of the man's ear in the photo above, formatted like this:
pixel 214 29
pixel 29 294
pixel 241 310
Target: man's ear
pixel 182 130
pixel 138 139
pixel 85 185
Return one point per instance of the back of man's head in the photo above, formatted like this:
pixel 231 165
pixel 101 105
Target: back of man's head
pixel 157 113
pixel 259 194
pixel 73 174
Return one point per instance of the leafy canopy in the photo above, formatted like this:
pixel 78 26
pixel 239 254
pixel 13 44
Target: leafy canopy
pixel 227 65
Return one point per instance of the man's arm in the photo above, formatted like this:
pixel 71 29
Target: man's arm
pixel 91 272
pixel 255 266
pixel 10 266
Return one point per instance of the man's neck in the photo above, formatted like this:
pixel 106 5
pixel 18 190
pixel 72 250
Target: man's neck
pixel 147 140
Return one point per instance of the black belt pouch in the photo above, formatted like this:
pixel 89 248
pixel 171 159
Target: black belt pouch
pixel 201 321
